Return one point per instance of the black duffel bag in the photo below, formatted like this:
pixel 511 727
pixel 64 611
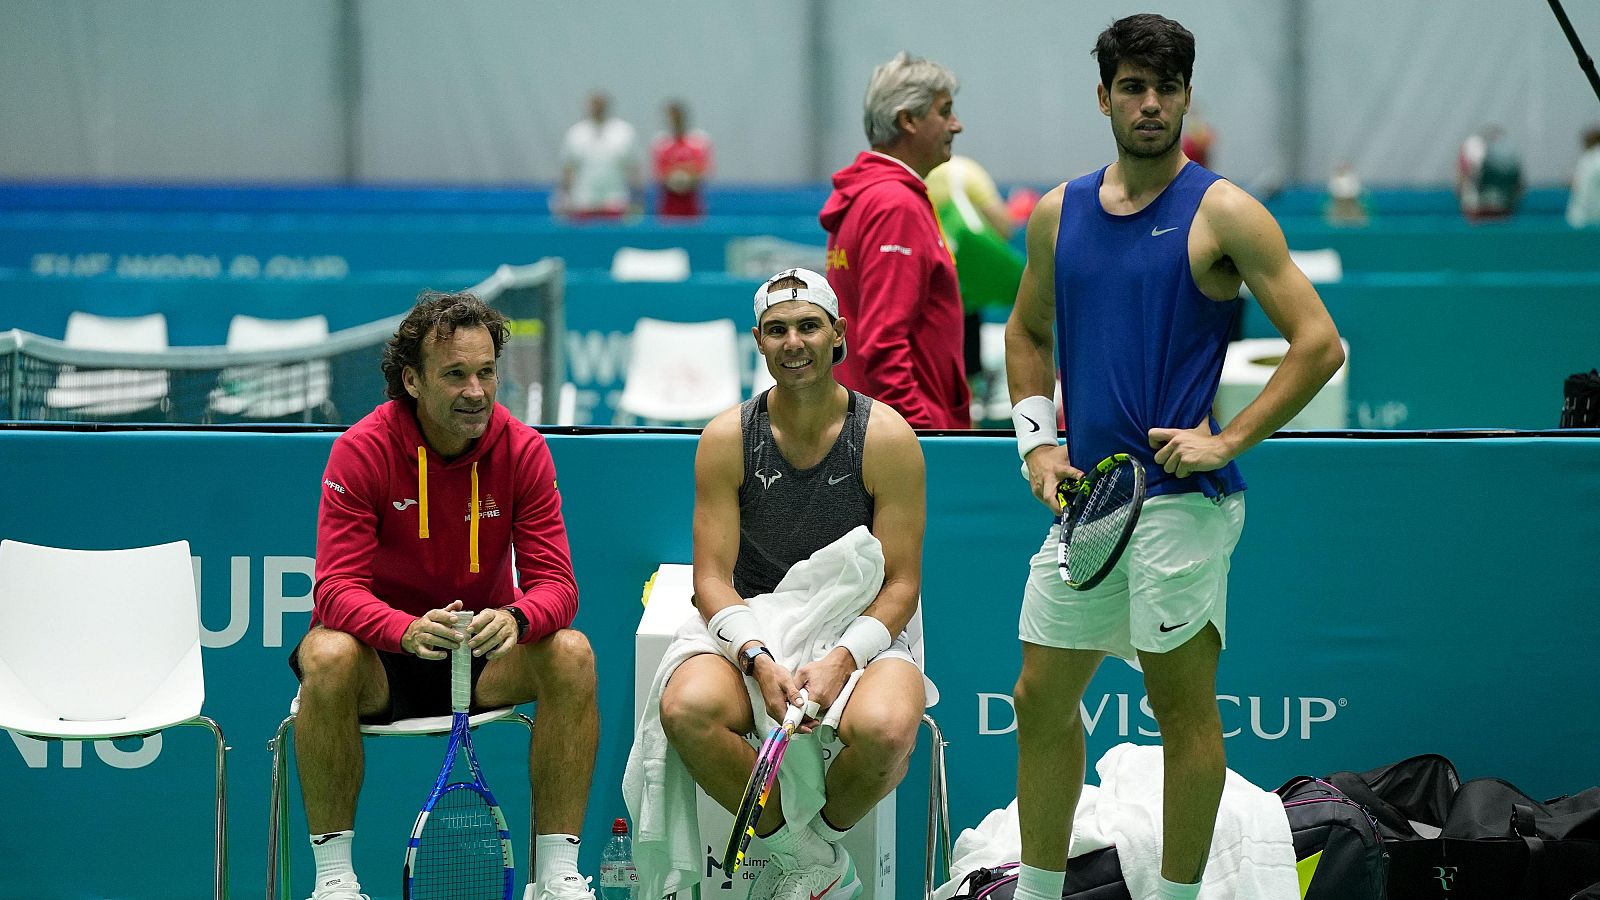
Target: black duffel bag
pixel 1339 851
pixel 1479 840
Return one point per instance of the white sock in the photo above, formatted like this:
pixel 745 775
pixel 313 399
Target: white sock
pixel 556 855
pixel 1039 884
pixel 1169 890
pixel 331 852
pixel 826 831
pixel 801 843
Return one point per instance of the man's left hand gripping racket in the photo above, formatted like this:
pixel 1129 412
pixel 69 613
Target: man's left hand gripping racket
pixel 1098 513
pixel 762 778
pixel 459 848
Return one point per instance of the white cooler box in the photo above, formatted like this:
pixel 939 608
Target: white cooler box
pixel 870 842
pixel 1248 365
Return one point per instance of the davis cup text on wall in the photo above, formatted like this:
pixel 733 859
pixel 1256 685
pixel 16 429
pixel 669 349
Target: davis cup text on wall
pixel 1268 718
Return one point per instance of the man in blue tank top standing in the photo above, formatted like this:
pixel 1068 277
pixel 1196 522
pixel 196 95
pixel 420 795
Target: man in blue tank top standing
pixel 778 478
pixel 1137 268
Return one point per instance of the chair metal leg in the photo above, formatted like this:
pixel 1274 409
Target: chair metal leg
pixel 219 886
pixel 277 813
pixel 938 845
pixel 533 836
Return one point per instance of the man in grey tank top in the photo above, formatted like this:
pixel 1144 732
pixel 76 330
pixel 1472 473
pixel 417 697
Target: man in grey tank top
pixel 776 479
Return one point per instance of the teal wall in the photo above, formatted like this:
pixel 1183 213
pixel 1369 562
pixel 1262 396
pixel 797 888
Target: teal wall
pixel 1389 597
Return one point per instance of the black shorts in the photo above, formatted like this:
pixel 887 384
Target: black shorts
pixel 417 686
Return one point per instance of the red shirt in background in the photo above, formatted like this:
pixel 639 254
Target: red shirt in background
pixel 681 167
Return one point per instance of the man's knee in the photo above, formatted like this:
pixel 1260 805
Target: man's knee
pixel 886 729
pixel 693 706
pixel 1043 704
pixel 565 665
pixel 331 660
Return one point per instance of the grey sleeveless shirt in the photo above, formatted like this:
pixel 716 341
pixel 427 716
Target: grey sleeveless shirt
pixel 785 513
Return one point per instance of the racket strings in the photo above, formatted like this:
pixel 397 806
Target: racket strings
pixel 460 851
pixel 1097 526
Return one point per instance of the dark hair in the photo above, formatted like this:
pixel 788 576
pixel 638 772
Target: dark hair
pixel 1148 40
pixel 440 314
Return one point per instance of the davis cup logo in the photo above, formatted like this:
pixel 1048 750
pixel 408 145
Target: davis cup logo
pixel 1267 718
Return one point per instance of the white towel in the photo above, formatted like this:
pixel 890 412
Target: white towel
pixel 1252 852
pixel 802 619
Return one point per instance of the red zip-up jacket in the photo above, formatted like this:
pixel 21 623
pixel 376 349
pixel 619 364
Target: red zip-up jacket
pixel 898 293
pixel 395 537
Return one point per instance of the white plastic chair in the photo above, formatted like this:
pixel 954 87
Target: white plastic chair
pixel 760 377
pixel 1250 363
pixel 111 392
pixel 272 391
pixel 1320 266
pixel 278 880
pixel 634 264
pixel 683 372
pixel 132 665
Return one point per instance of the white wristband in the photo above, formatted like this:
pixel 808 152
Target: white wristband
pixel 733 627
pixel 1035 420
pixel 865 638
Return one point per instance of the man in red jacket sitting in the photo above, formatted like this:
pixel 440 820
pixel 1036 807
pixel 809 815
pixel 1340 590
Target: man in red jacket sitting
pixel 887 258
pixel 424 502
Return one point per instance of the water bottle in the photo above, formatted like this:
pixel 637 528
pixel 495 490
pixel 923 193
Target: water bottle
pixel 618 879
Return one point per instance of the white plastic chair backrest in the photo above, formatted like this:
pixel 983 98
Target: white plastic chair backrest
pixel 251 333
pixel 1319 266
pixel 123 628
pixel 760 377
pixel 681 371
pixel 634 264
pixel 135 333
pixel 992 346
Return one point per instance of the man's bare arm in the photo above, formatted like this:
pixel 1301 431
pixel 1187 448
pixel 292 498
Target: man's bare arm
pixel 1248 236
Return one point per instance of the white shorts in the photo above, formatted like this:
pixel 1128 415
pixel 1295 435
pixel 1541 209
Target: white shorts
pixel 1172 579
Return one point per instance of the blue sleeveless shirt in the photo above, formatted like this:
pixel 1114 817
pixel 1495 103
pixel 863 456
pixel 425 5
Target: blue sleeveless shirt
pixel 1140 346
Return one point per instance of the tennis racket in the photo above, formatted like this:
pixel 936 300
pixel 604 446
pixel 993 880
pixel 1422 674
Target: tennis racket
pixel 762 778
pixel 1098 513
pixel 460 848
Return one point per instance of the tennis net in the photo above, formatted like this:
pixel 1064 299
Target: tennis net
pixel 336 380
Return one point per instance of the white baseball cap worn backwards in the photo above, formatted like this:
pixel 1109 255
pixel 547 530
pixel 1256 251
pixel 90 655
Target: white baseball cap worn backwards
pixel 816 290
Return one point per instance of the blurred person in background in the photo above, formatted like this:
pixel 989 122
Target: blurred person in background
pixel 887 256
pixel 682 160
pixel 1488 175
pixel 978 225
pixel 1583 207
pixel 1347 203
pixel 600 167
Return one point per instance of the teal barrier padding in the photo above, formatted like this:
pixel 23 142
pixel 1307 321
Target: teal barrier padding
pixel 721 199
pixel 118 243
pixel 198 311
pixel 309 245
pixel 1444 243
pixel 1385 202
pixel 1389 597
pixel 1481 351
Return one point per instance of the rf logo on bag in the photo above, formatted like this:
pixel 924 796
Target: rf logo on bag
pixel 1446 876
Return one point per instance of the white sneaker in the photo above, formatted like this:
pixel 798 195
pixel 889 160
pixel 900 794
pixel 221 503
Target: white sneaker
pixel 339 889
pixel 567 887
pixel 786 878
